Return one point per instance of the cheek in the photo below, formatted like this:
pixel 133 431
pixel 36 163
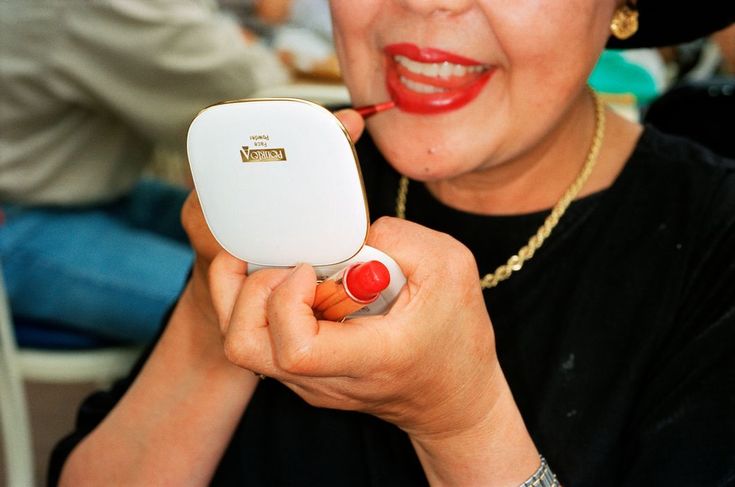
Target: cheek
pixel 549 51
pixel 550 40
pixel 354 27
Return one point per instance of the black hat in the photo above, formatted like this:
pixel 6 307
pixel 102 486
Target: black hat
pixel 668 22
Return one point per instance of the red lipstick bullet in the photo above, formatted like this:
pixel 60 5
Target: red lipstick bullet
pixel 350 290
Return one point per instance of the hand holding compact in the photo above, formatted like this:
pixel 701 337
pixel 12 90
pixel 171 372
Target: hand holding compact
pixel 428 366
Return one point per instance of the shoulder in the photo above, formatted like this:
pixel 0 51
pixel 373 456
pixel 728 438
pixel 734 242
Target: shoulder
pixel 689 182
pixel 692 190
pixel 679 158
pixel 677 175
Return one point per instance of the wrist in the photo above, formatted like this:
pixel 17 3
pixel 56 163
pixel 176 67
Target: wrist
pixel 187 395
pixel 495 450
pixel 193 333
pixel 542 477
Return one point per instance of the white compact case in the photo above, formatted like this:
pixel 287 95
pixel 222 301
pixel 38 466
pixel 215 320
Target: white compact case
pixel 279 184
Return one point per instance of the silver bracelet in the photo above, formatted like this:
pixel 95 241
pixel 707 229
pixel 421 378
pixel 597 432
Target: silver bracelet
pixel 543 477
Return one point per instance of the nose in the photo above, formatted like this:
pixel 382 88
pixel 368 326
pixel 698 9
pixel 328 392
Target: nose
pixel 428 7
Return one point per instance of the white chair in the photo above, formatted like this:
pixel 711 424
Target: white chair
pixel 101 366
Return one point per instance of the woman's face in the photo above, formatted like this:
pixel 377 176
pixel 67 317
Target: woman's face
pixel 478 83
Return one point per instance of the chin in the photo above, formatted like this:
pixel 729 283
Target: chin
pixel 423 158
pixel 425 167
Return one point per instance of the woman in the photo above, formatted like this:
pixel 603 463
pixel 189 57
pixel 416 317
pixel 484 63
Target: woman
pixel 604 348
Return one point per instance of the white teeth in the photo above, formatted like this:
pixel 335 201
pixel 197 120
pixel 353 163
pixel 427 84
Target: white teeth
pixel 430 70
pixel 420 87
pixel 443 70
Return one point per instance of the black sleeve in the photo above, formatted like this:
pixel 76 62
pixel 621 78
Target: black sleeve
pixel 685 433
pixel 93 410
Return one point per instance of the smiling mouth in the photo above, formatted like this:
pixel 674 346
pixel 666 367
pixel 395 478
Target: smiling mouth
pixel 427 80
pixel 437 77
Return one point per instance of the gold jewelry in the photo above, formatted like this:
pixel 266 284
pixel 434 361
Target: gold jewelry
pixel 625 21
pixel 515 262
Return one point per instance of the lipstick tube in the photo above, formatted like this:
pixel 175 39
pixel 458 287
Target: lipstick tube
pixel 350 290
pixel 368 111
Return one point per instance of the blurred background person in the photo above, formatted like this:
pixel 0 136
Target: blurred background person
pixel 725 40
pixel 704 58
pixel 87 91
pixel 300 30
pixel 700 102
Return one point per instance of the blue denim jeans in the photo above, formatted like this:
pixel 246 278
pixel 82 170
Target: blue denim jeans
pixel 110 270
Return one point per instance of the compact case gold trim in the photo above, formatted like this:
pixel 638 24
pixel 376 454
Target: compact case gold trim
pixel 279 181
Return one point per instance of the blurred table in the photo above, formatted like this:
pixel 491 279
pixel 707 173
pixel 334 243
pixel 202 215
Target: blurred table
pixel 323 93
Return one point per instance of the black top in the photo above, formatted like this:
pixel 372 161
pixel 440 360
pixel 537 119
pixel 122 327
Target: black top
pixel 616 339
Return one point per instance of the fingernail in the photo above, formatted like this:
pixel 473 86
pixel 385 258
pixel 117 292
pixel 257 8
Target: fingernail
pixel 294 269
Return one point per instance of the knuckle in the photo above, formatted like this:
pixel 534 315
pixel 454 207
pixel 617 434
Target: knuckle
pixel 278 297
pixel 260 277
pixel 233 351
pixel 268 278
pixel 385 230
pixel 260 283
pixel 239 350
pixel 463 256
pixel 296 360
pixel 383 223
pixel 460 265
pixel 275 306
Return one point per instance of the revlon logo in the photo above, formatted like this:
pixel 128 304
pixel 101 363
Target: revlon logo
pixel 262 155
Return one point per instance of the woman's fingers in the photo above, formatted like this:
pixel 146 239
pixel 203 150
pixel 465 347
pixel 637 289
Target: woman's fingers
pixel 301 345
pixel 304 346
pixel 352 121
pixel 293 325
pixel 226 277
pixel 270 325
pixel 247 341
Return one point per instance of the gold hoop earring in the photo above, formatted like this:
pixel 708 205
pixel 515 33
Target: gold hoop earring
pixel 625 21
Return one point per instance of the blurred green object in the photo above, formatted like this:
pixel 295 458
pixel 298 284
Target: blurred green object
pixel 638 72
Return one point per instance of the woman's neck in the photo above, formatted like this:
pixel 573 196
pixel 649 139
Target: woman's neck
pixel 537 178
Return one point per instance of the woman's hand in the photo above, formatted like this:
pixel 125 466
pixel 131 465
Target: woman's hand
pixel 429 366
pixel 431 355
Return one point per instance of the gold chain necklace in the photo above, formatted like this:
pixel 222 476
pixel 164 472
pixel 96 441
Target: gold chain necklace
pixel 515 262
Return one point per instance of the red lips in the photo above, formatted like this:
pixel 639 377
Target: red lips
pixel 444 82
